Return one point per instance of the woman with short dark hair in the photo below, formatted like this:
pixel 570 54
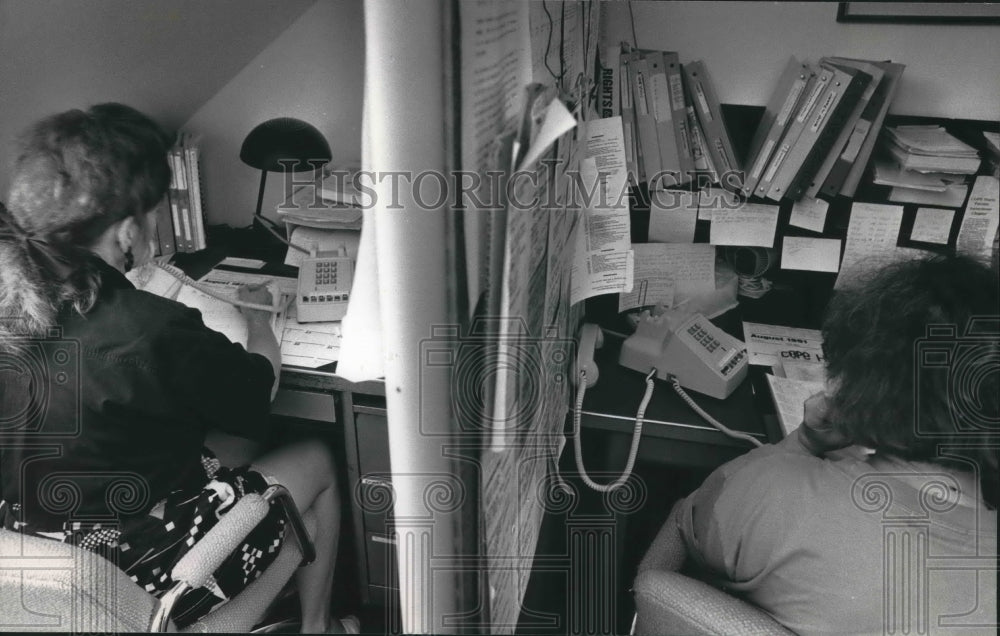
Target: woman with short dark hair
pixel 112 456
pixel 902 536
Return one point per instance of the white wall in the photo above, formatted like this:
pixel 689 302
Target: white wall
pixel 312 71
pixel 951 71
pixel 164 57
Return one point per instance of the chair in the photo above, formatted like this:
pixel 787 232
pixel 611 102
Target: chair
pixel 667 602
pixel 51 586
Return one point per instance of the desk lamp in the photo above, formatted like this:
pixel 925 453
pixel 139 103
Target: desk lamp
pixel 279 145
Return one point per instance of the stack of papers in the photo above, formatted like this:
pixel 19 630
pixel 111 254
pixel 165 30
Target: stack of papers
pixel 930 149
pixel 333 203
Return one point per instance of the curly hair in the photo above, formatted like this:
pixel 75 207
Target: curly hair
pixel 889 396
pixel 76 174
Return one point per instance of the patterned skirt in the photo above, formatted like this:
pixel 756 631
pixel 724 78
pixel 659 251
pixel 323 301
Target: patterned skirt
pixel 147 547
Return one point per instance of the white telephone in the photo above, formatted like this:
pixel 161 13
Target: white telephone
pixel 324 288
pixel 701 356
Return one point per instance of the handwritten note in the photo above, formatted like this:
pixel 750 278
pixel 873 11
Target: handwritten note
pixel 673 215
pixel 982 216
pixel 809 213
pixel 789 400
pixel 812 254
pixel 871 238
pixel 712 199
pixel 653 279
pixel 771 345
pixel 932 225
pixel 752 224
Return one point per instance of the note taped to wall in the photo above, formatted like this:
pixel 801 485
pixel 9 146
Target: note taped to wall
pixel 982 216
pixel 872 234
pixel 932 225
pixel 752 224
pixel 811 254
pixel 673 215
pixel 809 214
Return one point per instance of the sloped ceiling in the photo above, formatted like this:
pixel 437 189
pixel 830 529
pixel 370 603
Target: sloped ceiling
pixel 165 57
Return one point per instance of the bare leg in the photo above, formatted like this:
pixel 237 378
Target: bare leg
pixel 306 470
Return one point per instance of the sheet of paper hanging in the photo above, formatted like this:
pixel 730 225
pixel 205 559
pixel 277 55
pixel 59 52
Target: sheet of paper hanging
pixel 771 345
pixel 495 68
pixel 546 32
pixel 310 344
pixel 872 234
pixel 663 269
pixel 604 237
pixel 982 216
pixel 809 213
pixel 673 215
pixel 932 225
pixel 751 224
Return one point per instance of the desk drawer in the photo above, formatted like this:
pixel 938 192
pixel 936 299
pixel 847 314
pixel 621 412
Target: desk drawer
pixel 306 405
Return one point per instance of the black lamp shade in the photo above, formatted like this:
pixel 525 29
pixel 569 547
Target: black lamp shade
pixel 296 143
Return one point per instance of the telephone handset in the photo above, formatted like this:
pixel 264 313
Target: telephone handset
pixel 696 354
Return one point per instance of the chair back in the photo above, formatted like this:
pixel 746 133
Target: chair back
pixel 48 586
pixel 668 602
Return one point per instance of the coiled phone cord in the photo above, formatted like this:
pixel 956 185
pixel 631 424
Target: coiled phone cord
pixel 636 435
pixel 708 418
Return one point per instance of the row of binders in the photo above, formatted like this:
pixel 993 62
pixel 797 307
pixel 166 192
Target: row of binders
pixel 180 221
pixel 671 118
pixel 819 128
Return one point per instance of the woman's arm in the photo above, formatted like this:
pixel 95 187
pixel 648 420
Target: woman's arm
pixel 260 336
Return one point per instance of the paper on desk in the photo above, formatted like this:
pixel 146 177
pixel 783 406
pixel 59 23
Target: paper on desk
pixel 811 254
pixel 809 213
pixel 789 400
pixel 799 370
pixel 217 315
pixel 752 224
pixel 771 345
pixel 982 216
pixel 311 344
pixel 673 215
pixel 246 263
pixel 932 225
pixel 871 237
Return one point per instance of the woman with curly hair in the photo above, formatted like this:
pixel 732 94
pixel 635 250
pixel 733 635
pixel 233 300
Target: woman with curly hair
pixel 897 532
pixel 147 380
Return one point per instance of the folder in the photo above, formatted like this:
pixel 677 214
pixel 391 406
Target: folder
pixel 628 120
pixel 699 150
pixel 645 118
pixel 678 110
pixel 820 132
pixel 818 80
pixel 883 99
pixel 777 114
pixel 658 92
pixel 609 104
pixel 854 131
pixel 706 103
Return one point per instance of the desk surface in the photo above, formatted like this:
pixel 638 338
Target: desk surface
pixel 612 403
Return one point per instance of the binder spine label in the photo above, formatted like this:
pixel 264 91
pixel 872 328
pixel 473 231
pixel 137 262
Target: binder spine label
pixel 813 98
pixel 855 142
pixel 831 97
pixel 778 159
pixel 685 137
pixel 640 98
pixel 727 164
pixel 790 102
pixel 677 92
pixel 661 99
pixel 702 101
pixel 762 157
pixel 626 89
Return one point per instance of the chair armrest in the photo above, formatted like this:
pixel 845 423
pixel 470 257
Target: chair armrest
pixel 207 555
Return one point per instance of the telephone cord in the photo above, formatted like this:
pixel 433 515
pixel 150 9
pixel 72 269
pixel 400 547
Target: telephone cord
pixel 636 435
pixel 708 418
pixel 187 280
